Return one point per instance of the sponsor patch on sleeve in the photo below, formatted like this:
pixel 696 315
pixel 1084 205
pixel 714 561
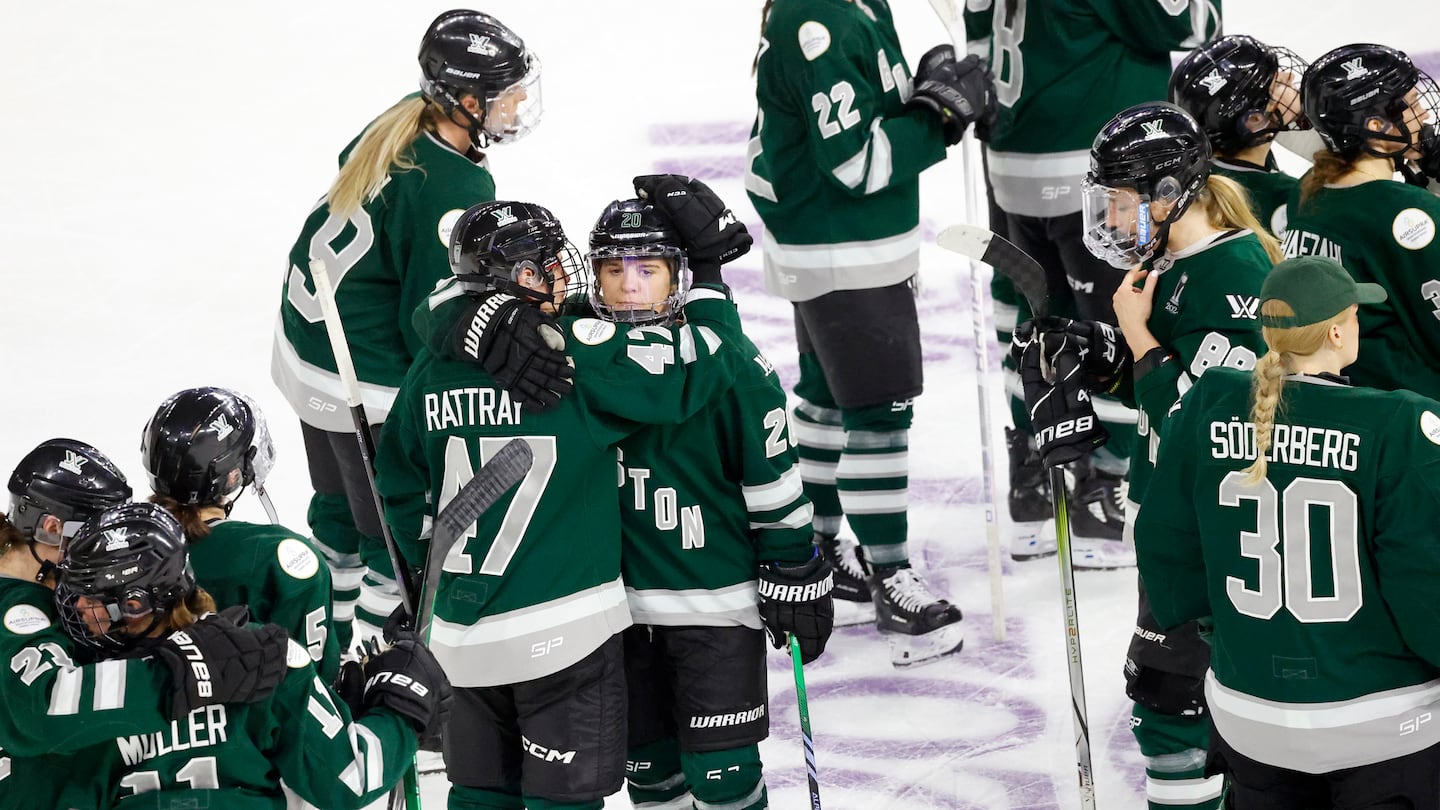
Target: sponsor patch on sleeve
pixel 24 620
pixel 814 40
pixel 592 331
pixel 1413 228
pixel 1430 426
pixel 297 559
pixel 296 656
pixel 447 224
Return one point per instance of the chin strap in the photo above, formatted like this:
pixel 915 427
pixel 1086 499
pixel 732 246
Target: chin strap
pixel 47 568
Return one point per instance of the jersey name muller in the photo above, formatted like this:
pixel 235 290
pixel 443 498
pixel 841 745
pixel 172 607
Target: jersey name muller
pixel 202 728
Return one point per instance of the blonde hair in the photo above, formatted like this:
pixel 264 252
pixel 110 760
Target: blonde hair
pixel 188 514
pixel 189 610
pixel 1327 168
pixel 1228 207
pixel 1267 381
pixel 382 148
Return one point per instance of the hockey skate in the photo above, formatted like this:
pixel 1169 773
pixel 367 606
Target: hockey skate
pixel 1097 520
pixel 851 592
pixel 1032 528
pixel 920 626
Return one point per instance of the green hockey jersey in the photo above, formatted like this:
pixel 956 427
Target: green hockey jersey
pixel 232 757
pixel 535 585
pixel 1206 305
pixel 1062 69
pixel 1320 579
pixel 383 259
pixel 53 707
pixel 1269 189
pixel 281 578
pixel 1382 232
pixel 704 502
pixel 834 159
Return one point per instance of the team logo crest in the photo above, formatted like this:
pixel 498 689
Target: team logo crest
pixel 504 216
pixel 1354 69
pixel 117 538
pixel 1243 307
pixel 1153 129
pixel 73 462
pixel 221 427
pixel 482 45
pixel 1213 82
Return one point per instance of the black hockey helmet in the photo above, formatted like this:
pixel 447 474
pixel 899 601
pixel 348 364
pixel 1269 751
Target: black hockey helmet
pixel 1150 155
pixel 493 243
pixel 203 445
pixel 65 478
pixel 470 52
pixel 633 229
pixel 1241 90
pixel 1354 94
pixel 126 563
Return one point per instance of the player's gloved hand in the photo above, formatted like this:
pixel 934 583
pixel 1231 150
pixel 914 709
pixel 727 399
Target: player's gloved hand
pixel 960 92
pixel 220 659
pixel 521 346
pixel 1104 355
pixel 1061 412
pixel 795 599
pixel 409 681
pixel 708 228
pixel 349 686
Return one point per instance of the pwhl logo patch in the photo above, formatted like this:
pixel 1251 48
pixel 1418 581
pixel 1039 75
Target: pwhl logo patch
pixel 73 462
pixel 1354 69
pixel 1243 306
pixel 1213 82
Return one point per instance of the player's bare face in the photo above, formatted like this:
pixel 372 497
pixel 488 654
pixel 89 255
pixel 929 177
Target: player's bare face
pixel 635 283
pixel 1416 116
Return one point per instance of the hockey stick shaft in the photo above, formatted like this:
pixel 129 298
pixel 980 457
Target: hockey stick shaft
pixel 1029 279
pixel 495 477
pixel 952 16
pixel 812 775
pixel 1084 771
pixel 325 292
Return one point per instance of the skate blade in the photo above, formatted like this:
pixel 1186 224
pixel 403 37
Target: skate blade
pixel 909 651
pixel 1032 540
pixel 849 614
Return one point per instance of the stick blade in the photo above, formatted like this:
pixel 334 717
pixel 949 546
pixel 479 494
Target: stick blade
pixel 980 244
pixel 503 471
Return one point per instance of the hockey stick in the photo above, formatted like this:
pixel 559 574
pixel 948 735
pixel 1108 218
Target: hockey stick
pixel 811 774
pixel 1029 279
pixel 952 15
pixel 346 368
pixel 496 477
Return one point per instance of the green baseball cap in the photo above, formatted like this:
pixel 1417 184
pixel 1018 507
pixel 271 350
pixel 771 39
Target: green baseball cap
pixel 1316 288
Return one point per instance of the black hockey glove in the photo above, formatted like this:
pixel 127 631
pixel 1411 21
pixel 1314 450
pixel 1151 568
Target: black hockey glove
pixel 1104 355
pixel 409 681
pixel 349 686
pixel 521 347
pixel 961 93
pixel 220 659
pixel 795 599
pixel 708 228
pixel 1061 412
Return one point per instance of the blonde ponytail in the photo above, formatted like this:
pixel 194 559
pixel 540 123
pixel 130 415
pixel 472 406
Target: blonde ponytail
pixel 1267 381
pixel 1228 207
pixel 384 147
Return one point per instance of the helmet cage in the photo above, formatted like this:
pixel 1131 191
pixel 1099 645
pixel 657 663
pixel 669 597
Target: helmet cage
pixel 664 311
pixel 1241 91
